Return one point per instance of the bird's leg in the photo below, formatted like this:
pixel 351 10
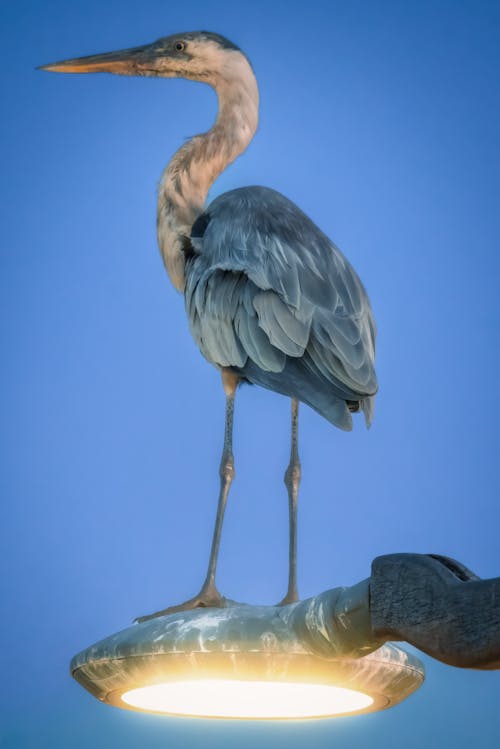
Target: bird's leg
pixel 209 595
pixel 292 482
pixel 226 473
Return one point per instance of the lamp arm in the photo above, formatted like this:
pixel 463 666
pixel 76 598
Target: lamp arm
pixel 430 601
pixel 437 605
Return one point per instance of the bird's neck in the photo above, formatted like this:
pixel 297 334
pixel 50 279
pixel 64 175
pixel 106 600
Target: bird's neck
pixel 187 179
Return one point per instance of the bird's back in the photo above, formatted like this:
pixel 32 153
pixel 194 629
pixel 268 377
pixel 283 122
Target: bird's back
pixel 270 296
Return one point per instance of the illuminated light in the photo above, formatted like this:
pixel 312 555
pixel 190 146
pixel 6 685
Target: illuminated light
pixel 249 662
pixel 229 698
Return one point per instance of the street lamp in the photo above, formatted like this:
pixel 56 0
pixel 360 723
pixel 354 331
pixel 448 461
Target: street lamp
pixel 312 659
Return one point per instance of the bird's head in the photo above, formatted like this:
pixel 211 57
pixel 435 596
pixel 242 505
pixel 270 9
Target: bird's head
pixel 197 55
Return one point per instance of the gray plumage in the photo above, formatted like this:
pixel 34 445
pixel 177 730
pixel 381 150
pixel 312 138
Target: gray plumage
pixel 271 297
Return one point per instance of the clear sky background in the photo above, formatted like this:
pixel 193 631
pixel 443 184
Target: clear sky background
pixel 381 120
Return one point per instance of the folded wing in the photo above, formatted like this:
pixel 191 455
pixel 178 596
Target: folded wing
pixel 269 295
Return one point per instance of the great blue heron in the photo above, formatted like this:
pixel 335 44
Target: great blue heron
pixel 270 299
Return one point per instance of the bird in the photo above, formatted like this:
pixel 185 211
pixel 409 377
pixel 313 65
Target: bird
pixel 270 299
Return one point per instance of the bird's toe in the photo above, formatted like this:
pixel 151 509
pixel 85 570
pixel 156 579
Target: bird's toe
pixel 208 597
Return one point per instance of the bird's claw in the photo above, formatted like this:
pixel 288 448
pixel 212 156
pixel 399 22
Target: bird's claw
pixel 289 598
pixel 208 597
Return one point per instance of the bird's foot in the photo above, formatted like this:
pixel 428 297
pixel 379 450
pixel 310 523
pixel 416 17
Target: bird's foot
pixel 289 598
pixel 208 597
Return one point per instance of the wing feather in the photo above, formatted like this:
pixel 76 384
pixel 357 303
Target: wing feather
pixel 283 328
pixel 266 284
pixel 256 343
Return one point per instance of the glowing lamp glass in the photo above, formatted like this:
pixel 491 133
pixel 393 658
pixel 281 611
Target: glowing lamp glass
pixel 219 698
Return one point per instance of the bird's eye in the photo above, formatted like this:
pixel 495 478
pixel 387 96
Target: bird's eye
pixel 180 46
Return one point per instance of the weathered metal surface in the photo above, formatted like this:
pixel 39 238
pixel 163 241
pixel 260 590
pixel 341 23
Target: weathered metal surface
pixel 326 639
pixel 432 602
pixel 438 605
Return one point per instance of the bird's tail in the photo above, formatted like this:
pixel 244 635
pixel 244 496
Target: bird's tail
pixel 368 405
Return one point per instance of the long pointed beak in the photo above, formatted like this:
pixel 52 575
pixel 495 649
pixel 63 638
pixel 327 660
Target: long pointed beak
pixel 132 61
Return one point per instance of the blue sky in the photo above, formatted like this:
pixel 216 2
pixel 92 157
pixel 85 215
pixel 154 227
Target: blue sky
pixel 381 121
